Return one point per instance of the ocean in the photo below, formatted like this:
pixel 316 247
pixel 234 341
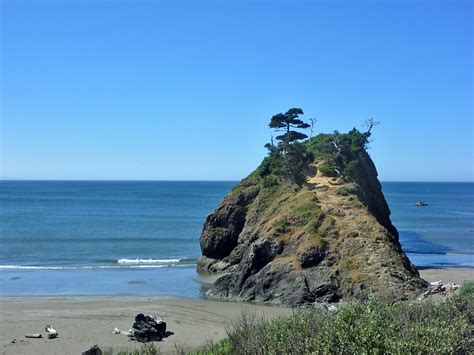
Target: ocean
pixel 128 237
pixel 440 234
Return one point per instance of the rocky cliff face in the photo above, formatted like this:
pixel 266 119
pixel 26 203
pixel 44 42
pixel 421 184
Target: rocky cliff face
pixel 328 240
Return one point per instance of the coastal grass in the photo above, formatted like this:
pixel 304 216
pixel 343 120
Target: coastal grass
pixel 370 326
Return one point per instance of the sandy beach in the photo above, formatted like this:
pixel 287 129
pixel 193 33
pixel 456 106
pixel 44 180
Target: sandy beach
pixel 454 275
pixel 84 321
pixel 89 320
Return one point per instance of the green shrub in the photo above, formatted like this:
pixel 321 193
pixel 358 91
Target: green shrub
pixel 340 151
pixel 272 164
pixel 282 226
pixel 352 170
pixel 467 290
pixel 328 169
pixel 306 211
pixel 368 327
pixel 346 190
pixel 269 181
pixel 348 263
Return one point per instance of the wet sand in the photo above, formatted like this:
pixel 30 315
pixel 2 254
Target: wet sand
pixel 84 321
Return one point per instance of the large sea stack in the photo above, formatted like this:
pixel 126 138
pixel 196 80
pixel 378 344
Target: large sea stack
pixel 325 238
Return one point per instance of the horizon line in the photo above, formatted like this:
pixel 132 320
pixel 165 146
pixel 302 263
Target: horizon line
pixel 202 180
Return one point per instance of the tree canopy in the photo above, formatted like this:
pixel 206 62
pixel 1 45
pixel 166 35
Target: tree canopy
pixel 288 122
pixel 289 160
pixel 288 150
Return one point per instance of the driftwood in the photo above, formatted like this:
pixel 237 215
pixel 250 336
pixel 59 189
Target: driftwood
pixel 438 287
pixel 35 335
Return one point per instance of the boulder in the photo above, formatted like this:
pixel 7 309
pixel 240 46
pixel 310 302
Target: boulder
pixel 148 328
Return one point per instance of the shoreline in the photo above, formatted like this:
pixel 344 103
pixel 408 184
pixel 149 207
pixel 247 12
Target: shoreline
pixel 139 285
pixel 83 321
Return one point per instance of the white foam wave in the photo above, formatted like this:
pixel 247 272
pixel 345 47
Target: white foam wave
pixel 29 267
pixel 147 261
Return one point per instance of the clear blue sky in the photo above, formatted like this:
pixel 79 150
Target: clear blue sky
pixel 185 90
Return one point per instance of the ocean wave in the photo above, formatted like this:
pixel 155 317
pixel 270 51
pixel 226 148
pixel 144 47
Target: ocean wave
pixel 88 267
pixel 147 261
pixel 422 252
pixel 461 213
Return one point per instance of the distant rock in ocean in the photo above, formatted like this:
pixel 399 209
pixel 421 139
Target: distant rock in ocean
pixel 326 239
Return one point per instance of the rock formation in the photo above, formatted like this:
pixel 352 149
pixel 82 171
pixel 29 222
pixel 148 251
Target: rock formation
pixel 326 240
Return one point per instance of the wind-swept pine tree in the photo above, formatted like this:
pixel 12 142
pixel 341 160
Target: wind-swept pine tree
pixel 292 151
pixel 287 122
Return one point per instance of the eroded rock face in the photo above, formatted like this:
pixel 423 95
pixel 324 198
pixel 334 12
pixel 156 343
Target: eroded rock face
pixel 311 256
pixel 294 246
pixel 223 227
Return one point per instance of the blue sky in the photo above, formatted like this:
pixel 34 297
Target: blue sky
pixel 185 90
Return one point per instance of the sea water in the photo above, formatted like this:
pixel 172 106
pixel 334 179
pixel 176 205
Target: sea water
pixel 97 237
pixel 440 234
pixel 127 237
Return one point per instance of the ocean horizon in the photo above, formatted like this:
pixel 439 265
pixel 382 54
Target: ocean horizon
pixel 90 237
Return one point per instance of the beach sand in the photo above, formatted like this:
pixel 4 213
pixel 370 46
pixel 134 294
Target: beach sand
pixel 84 321
pixel 454 275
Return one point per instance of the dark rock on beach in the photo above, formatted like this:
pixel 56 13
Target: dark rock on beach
pixel 148 328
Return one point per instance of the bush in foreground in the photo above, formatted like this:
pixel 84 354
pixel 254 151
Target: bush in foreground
pixel 365 327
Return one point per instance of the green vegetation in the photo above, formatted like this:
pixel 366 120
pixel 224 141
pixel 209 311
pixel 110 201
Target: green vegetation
pixel 362 327
pixel 467 290
pixel 328 169
pixel 306 211
pixel 288 122
pixel 354 202
pixel 282 226
pixel 273 165
pixel 289 159
pixel 368 327
pixel 269 181
pixel 312 229
pixel 347 190
pixel 348 263
pixel 342 153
